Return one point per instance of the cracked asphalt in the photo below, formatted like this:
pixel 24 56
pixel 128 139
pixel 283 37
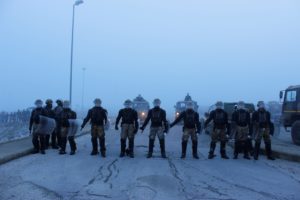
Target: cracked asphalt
pixel 82 176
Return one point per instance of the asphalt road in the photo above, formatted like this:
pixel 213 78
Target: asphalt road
pixel 82 176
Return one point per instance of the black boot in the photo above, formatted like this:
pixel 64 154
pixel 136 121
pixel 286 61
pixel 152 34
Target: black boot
pixel 236 149
pixel 183 149
pixel 211 154
pixel 42 144
pixel 102 147
pixel 151 145
pixel 223 151
pixel 162 148
pixel 53 141
pixel 256 150
pixel 95 146
pixel 246 152
pixel 195 149
pixel 72 145
pixel 123 148
pixel 47 139
pixel 35 142
pixel 131 147
pixel 63 145
pixel 269 151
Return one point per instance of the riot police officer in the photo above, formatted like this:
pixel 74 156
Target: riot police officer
pixel 261 120
pixel 191 128
pixel 241 118
pixel 50 113
pixel 63 118
pixel 98 119
pixel 57 137
pixel 38 139
pixel 220 128
pixel 129 127
pixel 159 126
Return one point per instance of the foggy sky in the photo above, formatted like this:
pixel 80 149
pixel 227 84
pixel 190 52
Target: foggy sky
pixel 215 50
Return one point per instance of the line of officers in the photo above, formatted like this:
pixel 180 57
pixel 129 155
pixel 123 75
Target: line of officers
pixel 246 128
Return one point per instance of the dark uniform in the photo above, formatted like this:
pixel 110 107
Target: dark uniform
pixel 63 119
pixel 56 139
pixel 38 139
pixel 261 120
pixel 129 126
pixel 159 126
pixel 191 126
pixel 242 120
pixel 98 118
pixel 50 113
pixel 220 120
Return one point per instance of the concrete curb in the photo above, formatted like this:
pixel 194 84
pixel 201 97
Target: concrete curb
pixel 26 151
pixel 277 154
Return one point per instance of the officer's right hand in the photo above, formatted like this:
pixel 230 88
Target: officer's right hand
pixel 29 131
pixel 116 127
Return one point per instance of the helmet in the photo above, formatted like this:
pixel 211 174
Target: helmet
pixel 156 102
pixel 128 103
pixel 219 105
pixel 261 104
pixel 59 102
pixel 38 103
pixel 241 105
pixel 190 105
pixel 97 102
pixel 49 101
pixel 66 104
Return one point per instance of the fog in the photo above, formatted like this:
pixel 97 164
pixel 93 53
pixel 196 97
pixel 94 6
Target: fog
pixel 215 50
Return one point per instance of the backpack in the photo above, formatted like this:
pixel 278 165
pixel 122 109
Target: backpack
pixel 127 115
pixel 190 118
pixel 97 116
pixel 219 117
pixel 156 116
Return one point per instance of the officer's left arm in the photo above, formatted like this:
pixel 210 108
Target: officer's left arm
pixel 227 124
pixel 198 124
pixel 136 122
pixel 105 116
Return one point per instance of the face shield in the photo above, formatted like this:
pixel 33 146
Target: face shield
pixel 241 105
pixel 128 104
pixel 219 105
pixel 38 103
pixel 190 105
pixel 156 103
pixel 97 102
pixel 66 104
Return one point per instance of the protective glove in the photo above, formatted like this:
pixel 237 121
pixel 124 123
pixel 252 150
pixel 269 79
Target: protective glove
pixel 116 127
pixel 29 131
pixel 135 130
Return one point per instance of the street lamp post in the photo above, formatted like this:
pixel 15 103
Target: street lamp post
pixel 83 81
pixel 78 2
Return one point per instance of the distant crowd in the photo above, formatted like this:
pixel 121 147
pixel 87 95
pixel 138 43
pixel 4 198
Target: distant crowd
pixel 20 117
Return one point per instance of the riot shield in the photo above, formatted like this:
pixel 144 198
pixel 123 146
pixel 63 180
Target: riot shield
pixel 74 128
pixel 46 125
